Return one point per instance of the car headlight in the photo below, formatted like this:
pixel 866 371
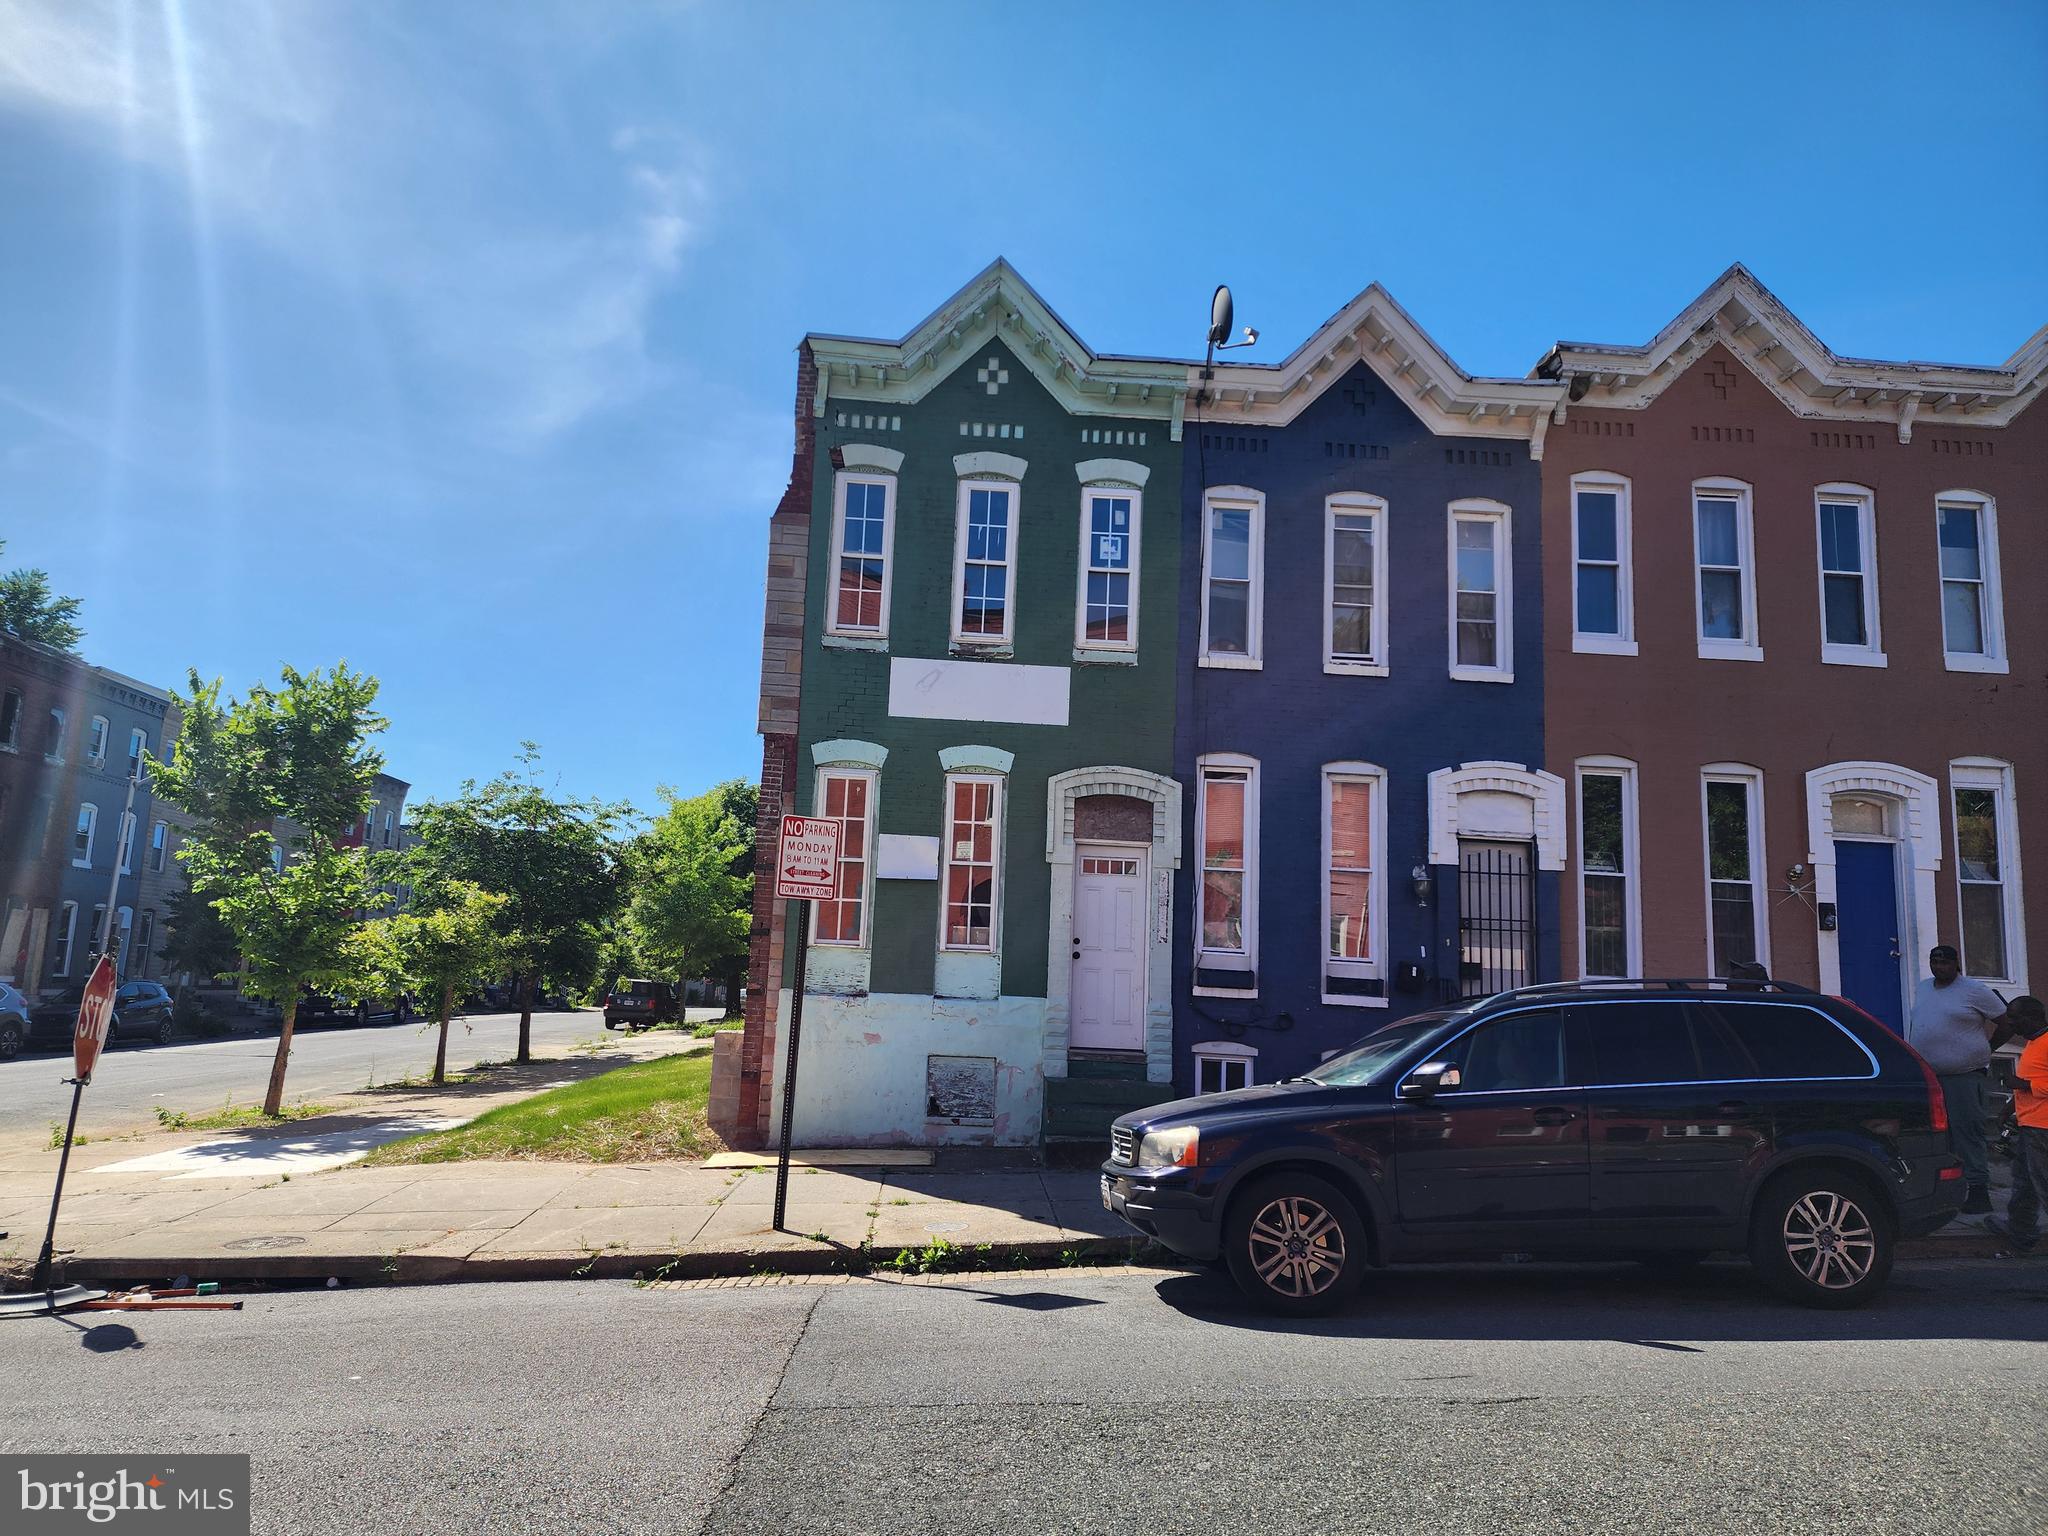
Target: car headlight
pixel 1178 1147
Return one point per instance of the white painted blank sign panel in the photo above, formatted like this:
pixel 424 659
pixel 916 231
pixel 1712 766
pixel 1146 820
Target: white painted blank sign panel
pixel 997 691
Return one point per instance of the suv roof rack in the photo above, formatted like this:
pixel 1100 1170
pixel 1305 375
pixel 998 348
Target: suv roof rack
pixel 1658 983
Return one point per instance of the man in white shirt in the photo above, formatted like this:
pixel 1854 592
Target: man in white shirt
pixel 1954 1018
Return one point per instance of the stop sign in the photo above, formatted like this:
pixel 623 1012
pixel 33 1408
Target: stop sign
pixel 95 1013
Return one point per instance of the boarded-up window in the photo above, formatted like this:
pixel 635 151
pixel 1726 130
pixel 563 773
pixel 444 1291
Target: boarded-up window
pixel 1112 819
pixel 960 1089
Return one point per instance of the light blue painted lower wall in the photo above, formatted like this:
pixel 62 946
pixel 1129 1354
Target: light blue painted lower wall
pixel 861 1070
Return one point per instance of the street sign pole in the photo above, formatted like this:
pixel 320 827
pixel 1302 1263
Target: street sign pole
pixel 800 922
pixel 95 1012
pixel 806 870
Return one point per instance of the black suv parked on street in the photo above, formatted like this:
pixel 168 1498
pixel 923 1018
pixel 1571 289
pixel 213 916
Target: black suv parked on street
pixel 637 1004
pixel 1654 1120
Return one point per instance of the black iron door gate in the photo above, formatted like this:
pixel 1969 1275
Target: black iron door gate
pixel 1496 917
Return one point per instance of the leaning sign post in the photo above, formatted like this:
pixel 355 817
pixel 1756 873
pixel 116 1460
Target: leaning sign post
pixel 806 870
pixel 95 1012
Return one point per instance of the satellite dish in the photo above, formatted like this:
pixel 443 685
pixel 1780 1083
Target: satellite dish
pixel 1220 315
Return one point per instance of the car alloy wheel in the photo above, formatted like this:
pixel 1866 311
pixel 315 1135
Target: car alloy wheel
pixel 1297 1247
pixel 10 1041
pixel 1830 1240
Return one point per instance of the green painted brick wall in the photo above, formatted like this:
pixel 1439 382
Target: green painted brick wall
pixel 1118 714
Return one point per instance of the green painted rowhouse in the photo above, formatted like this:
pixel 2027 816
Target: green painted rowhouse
pixel 972 609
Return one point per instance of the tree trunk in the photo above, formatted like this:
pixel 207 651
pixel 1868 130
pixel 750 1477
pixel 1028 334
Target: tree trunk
pixel 735 978
pixel 441 1046
pixel 273 1097
pixel 527 985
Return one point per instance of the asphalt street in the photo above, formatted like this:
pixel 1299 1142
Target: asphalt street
pixel 133 1081
pixel 1502 1400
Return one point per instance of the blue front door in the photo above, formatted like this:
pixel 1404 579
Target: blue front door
pixel 1867 914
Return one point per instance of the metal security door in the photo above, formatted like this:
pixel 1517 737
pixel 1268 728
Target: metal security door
pixel 1109 950
pixel 1496 917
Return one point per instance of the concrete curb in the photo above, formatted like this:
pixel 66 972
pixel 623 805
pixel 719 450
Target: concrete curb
pixel 622 1264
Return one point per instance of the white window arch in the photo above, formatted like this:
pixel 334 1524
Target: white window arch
pixel 863 543
pixel 97 731
pixel 1111 528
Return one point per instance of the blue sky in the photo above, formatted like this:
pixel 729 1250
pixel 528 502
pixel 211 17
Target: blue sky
pixel 457 339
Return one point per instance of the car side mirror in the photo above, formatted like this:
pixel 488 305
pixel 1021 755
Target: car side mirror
pixel 1426 1080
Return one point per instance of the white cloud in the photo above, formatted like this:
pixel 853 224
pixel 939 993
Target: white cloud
pixel 355 151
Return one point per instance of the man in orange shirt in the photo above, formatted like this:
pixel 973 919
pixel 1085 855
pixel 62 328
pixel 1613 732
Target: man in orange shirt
pixel 2029 1077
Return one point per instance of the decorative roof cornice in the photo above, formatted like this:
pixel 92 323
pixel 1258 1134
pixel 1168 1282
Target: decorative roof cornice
pixel 998 303
pixel 1741 314
pixel 1378 331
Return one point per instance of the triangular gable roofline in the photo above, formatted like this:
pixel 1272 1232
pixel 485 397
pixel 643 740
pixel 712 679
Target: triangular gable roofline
pixel 1738 312
pixel 998 302
pixel 1405 357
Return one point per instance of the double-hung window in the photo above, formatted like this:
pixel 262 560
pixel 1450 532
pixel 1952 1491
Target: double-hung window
pixel 96 740
pixel 1848 576
pixel 82 834
pixel 1227 830
pixel 1610 922
pixel 126 842
pixel 1355 585
pixel 1987 870
pixel 1603 585
pixel 1233 552
pixel 145 940
pixel 159 840
pixel 1724 556
pixel 1108 608
pixel 973 861
pixel 862 536
pixel 1481 619
pixel 10 721
pixel 138 744
pixel 1972 620
pixel 847 796
pixel 985 569
pixel 53 739
pixel 1736 918
pixel 1354 883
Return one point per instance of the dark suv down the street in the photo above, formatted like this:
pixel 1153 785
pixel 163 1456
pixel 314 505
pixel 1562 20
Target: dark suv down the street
pixel 1653 1120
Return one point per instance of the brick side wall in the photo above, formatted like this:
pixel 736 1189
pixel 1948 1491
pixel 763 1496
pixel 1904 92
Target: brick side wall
pixel 1672 712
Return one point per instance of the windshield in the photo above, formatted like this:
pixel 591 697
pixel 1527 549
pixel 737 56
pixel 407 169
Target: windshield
pixel 1381 1050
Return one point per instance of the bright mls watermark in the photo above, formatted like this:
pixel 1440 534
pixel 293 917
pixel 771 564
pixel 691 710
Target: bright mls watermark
pixel 163 1495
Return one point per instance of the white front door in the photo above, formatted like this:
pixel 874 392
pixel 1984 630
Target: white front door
pixel 1109 949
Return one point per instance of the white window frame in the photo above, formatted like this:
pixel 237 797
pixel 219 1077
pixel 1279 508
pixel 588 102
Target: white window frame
pixel 277 858
pixel 844 479
pixel 1607 483
pixel 117 939
pixel 90 815
pixel 159 846
pixel 1374 966
pixel 1237 498
pixel 1227 1054
pixel 1759 872
pixel 1864 499
pixel 99 734
pixel 1993 657
pixel 67 926
pixel 1993 774
pixel 1501 516
pixel 1750 647
pixel 1228 764
pixel 1122 492
pixel 1354 504
pixel 145 940
pixel 138 749
pixel 873 780
pixel 1631 843
pixel 998 810
pixel 124 845
pixel 967 487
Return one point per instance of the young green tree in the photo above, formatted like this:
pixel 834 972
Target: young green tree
pixel 30 611
pixel 553 858
pixel 693 884
pixel 447 939
pixel 271 781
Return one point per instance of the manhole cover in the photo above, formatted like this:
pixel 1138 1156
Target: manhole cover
pixel 265 1244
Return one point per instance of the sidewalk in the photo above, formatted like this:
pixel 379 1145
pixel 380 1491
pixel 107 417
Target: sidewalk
pixel 531 1220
